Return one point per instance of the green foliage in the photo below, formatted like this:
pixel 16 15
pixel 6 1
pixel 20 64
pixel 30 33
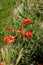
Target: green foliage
pixel 24 51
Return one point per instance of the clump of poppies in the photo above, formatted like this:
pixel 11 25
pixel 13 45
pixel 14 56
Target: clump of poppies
pixel 27 34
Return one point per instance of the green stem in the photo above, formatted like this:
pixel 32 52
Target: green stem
pixel 19 56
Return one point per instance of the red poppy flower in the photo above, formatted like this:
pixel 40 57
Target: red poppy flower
pixel 40 64
pixel 26 21
pixel 28 35
pixel 21 31
pixel 9 39
pixel 9 28
pixel 1 63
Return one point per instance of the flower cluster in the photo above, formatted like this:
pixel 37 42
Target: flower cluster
pixel 10 39
pixel 28 34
